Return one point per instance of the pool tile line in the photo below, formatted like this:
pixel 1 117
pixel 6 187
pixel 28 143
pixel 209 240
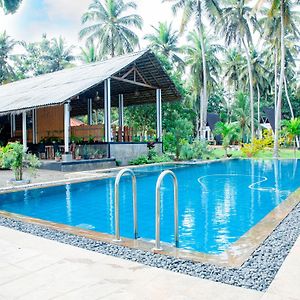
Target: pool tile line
pixel 256 273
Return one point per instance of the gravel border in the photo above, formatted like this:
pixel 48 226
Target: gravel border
pixel 256 273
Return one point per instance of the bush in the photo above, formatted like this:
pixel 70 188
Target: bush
pixel 143 159
pixel 196 150
pixel 15 158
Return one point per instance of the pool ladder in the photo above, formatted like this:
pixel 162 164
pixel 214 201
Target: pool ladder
pixel 157 206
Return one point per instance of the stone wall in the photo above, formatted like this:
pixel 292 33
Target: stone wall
pixel 124 152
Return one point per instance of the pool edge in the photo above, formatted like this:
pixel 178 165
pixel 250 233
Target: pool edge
pixel 234 257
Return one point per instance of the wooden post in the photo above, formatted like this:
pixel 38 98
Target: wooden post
pixel 24 130
pixel 12 125
pixel 90 111
pixel 67 126
pixel 158 116
pixel 34 127
pixel 107 108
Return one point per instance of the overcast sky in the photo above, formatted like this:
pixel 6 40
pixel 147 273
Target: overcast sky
pixel 62 17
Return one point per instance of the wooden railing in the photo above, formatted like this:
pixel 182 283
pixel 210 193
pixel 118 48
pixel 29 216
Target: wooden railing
pixel 95 132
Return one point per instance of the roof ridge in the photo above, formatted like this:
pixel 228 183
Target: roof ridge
pixel 77 66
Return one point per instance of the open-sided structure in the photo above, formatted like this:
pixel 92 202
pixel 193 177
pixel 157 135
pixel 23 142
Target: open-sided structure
pixel 42 106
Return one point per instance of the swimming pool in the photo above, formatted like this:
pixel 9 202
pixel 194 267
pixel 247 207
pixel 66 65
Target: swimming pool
pixel 218 202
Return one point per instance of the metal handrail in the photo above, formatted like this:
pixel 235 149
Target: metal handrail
pixel 157 215
pixel 117 204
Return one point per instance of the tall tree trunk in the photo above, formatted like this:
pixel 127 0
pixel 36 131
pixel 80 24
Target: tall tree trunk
pixel 291 108
pixel 258 109
pixel 280 88
pixel 250 88
pixel 112 45
pixel 275 77
pixel 288 98
pixel 204 95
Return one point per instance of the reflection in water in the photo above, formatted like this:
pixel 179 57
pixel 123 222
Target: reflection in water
pixel 68 203
pixel 110 199
pixel 276 179
pixel 252 212
pixel 229 199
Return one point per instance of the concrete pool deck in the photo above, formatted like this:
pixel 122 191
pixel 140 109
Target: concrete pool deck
pixel 36 268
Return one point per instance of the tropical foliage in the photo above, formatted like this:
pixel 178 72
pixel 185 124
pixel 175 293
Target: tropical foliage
pixel 15 158
pixel 109 23
pixel 245 61
pixel 10 6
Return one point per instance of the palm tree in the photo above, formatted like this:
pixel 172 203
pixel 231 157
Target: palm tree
pixel 229 133
pixel 10 6
pixel 195 8
pixel 233 65
pixel 241 112
pixel 108 23
pixel 280 13
pixel 89 54
pixel 236 26
pixel 6 47
pixel 165 42
pixel 193 52
pixel 292 129
pixel 59 56
pixel 260 77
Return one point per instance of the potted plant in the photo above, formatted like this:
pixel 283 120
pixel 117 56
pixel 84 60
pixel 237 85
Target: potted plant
pixel 57 156
pixel 77 154
pixel 85 152
pixel 14 157
pixel 91 139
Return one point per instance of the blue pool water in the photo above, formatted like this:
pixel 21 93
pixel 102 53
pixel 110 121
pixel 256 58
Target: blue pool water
pixel 218 202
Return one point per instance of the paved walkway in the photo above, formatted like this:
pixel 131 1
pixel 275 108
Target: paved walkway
pixel 36 268
pixel 41 176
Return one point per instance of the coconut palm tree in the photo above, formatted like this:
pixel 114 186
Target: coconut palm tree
pixel 89 54
pixel 6 46
pixel 232 67
pixel 193 54
pixel 10 6
pixel 229 133
pixel 165 42
pixel 238 21
pixel 59 56
pixel 241 113
pixel 195 8
pixel 280 11
pixel 292 130
pixel 108 23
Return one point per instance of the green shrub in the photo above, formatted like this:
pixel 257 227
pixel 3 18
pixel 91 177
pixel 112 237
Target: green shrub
pixel 196 150
pixel 15 158
pixel 141 160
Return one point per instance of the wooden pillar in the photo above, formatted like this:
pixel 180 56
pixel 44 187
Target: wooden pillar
pixel 107 108
pixel 90 111
pixel 67 126
pixel 12 125
pixel 24 130
pixel 158 116
pixel 121 110
pixel 34 127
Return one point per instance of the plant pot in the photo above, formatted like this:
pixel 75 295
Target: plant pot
pixel 57 159
pixel 249 155
pixel 78 157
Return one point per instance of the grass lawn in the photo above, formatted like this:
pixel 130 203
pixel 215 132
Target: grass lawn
pixel 266 154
